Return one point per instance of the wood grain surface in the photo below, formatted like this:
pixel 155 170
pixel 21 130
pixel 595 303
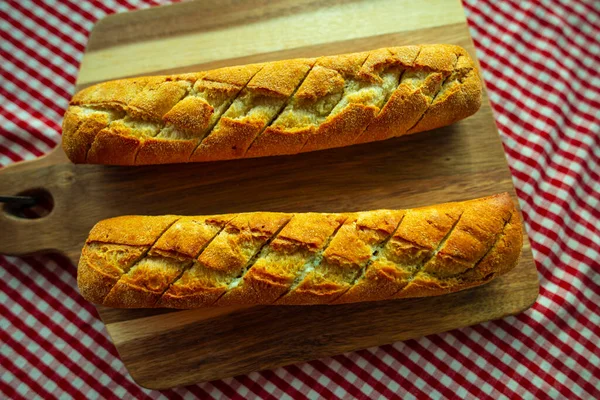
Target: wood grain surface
pixel 166 348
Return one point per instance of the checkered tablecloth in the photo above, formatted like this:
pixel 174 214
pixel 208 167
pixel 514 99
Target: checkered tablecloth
pixel 541 62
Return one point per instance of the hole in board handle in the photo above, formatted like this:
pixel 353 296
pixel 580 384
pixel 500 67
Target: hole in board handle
pixel 44 203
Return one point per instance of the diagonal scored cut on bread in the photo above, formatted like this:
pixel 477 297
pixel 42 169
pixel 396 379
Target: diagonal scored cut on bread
pixel 299 259
pixel 275 108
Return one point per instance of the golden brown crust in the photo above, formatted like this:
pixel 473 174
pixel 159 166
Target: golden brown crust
pixel 280 78
pixel 163 151
pixel 348 253
pixel 101 267
pixel 276 108
pixel 94 285
pixel 278 140
pixel 418 235
pixel 157 98
pixel 458 102
pixel 249 115
pixel 342 128
pixel 191 114
pixel 132 230
pixel 80 130
pixel 407 101
pixel 230 139
pixel 111 147
pixel 221 261
pixel 110 94
pixel 188 236
pixel 319 83
pixel 310 258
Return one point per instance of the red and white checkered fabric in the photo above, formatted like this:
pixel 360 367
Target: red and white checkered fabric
pixel 541 63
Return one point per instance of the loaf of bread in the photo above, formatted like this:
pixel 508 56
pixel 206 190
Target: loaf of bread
pixel 275 108
pixel 307 258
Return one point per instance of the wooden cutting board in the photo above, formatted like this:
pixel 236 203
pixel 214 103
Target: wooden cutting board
pixel 163 348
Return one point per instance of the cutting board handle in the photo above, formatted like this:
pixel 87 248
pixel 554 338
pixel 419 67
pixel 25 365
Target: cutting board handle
pixel 49 176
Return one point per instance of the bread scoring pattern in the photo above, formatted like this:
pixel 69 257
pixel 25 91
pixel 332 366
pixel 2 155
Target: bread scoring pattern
pixel 303 258
pixel 282 107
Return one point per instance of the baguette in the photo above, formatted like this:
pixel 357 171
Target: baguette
pixel 306 258
pixel 276 108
